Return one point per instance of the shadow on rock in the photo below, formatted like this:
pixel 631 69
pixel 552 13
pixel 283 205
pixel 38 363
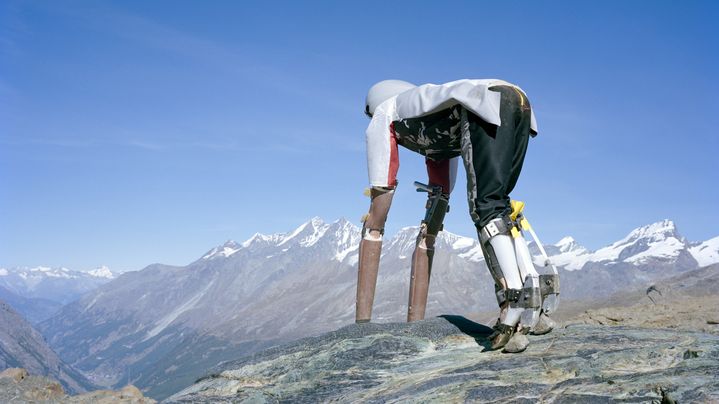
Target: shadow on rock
pixel 479 332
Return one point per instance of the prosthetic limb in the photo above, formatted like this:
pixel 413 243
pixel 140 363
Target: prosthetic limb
pixel 498 247
pixel 518 282
pixel 531 296
pixel 437 207
pixel 549 283
pixel 369 252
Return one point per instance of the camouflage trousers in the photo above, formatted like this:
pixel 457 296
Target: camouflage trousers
pixel 493 156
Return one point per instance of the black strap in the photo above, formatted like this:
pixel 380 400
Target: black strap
pixel 365 230
pixel 513 295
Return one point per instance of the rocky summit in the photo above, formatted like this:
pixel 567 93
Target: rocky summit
pixel 444 359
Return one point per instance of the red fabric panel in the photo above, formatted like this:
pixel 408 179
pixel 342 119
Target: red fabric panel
pixel 438 173
pixel 393 158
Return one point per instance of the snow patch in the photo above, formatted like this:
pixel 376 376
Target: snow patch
pixel 570 260
pixel 462 243
pixel 259 237
pixel 41 269
pixel 225 250
pixel 565 241
pixel 341 255
pixel 293 234
pixel 706 253
pixel 568 244
pixel 657 231
pixel 473 255
pixel 319 230
pixel 665 249
pixel 256 236
pixel 3 272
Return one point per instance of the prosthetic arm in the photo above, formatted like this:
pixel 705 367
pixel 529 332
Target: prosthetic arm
pixel 370 250
pixel 437 206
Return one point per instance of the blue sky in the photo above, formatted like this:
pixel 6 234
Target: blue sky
pixel 138 132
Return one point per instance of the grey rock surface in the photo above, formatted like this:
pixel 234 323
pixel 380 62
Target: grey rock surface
pixel 444 360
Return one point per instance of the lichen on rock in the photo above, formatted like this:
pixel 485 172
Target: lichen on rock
pixel 445 359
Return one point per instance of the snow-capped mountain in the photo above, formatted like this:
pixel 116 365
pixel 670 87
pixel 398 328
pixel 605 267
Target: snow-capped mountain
pixel 102 272
pixel 241 296
pixel 706 253
pixel 657 243
pixel 60 285
pixel 345 235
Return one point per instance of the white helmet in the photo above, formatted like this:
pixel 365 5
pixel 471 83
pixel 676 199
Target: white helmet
pixel 383 91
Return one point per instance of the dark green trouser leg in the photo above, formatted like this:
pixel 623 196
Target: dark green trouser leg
pixel 493 156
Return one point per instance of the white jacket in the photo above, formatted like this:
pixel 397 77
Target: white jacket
pixel 474 95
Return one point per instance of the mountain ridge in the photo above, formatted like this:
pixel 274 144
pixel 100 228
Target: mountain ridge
pixel 288 285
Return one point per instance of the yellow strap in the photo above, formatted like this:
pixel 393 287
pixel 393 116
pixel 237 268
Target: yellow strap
pixel 524 223
pixel 514 231
pixel 367 192
pixel 521 96
pixel 364 217
pixel 517 207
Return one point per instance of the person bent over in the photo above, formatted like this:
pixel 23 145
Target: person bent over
pixel 487 123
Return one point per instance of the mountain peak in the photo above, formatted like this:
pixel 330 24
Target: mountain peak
pixel 225 250
pixel 102 272
pixel 664 228
pixel 565 241
pixel 568 244
pixel 343 222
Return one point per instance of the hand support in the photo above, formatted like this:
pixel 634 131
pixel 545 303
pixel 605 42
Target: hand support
pixel 369 252
pixel 437 207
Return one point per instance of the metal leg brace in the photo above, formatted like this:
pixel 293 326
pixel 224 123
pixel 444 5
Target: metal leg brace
pixel 437 207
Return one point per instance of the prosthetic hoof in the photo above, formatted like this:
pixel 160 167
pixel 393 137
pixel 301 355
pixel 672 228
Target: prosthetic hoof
pixel 550 303
pixel 501 336
pixel 544 326
pixel 518 343
pixel 549 285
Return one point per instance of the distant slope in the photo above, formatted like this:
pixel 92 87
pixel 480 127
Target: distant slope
pixel 34 310
pixel 688 301
pixel 22 346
